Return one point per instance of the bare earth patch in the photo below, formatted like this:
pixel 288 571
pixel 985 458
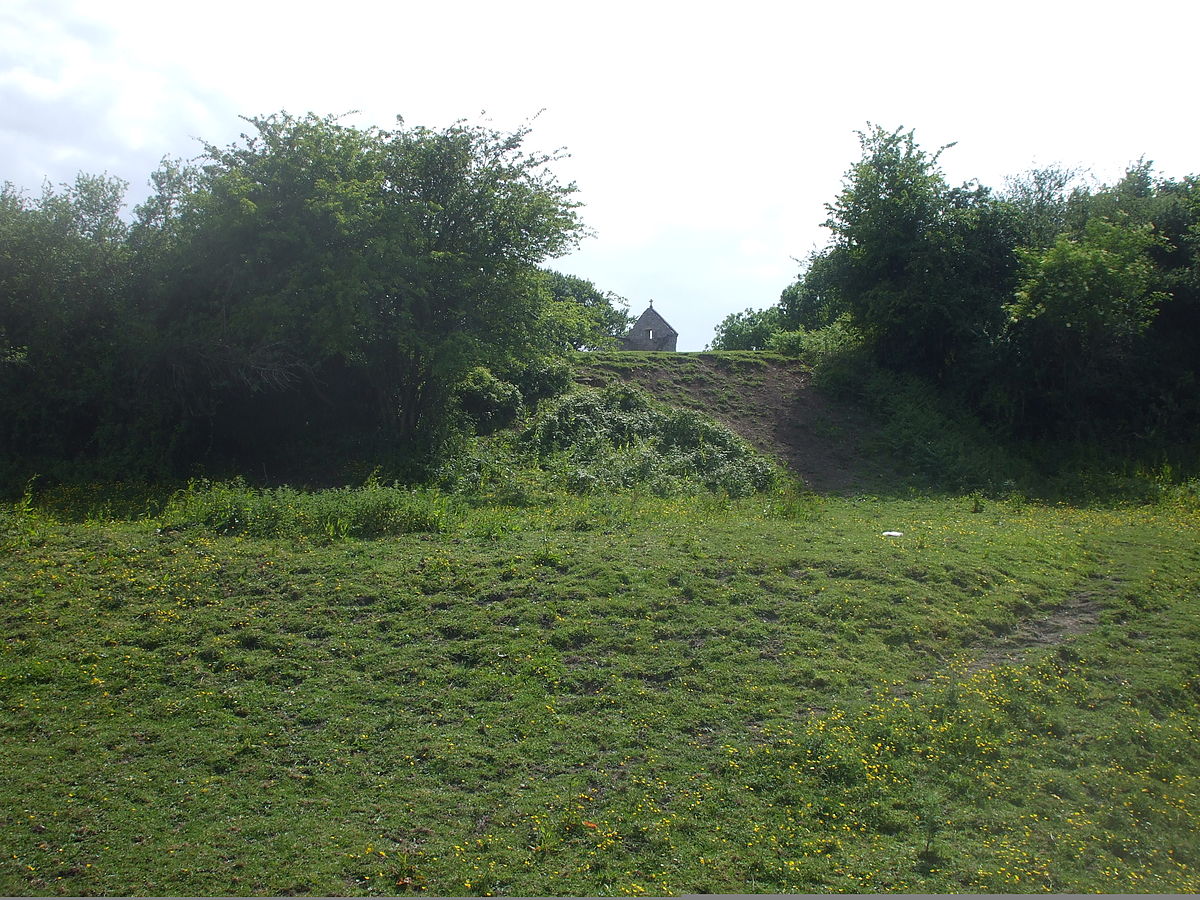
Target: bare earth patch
pixel 1078 614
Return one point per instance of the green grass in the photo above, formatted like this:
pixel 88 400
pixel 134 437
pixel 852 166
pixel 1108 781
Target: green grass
pixel 606 694
pixel 708 380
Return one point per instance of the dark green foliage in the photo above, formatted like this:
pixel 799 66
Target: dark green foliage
pixel 1041 202
pixel 308 296
pixel 388 262
pixel 1104 335
pixel 65 271
pixel 1079 314
pixel 934 441
pixel 489 402
pixel 812 301
pixel 1054 312
pixel 922 267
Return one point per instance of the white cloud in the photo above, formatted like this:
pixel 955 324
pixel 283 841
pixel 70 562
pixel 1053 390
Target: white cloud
pixel 706 137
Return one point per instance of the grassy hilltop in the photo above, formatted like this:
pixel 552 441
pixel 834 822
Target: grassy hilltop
pixel 544 676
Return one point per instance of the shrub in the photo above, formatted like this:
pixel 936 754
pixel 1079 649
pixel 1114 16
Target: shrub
pixel 488 401
pixel 618 438
pixel 816 346
pixel 541 379
pixel 616 415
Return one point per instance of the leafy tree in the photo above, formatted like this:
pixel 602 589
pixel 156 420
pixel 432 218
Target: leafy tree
pixel 922 268
pixel 318 272
pixel 1172 361
pixel 1041 202
pixel 1096 289
pixel 590 319
pixel 811 302
pixel 1055 308
pixel 1105 338
pixel 64 271
pixel 1079 313
pixel 312 287
pixel 749 330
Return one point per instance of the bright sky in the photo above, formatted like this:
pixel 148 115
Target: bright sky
pixel 705 137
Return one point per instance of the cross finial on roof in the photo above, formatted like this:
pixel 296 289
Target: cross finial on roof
pixel 652 304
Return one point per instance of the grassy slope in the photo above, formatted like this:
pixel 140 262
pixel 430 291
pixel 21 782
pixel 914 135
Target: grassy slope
pixel 607 695
pixel 614 696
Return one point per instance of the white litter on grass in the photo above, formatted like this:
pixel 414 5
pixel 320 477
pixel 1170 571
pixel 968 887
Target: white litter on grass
pixel 893 534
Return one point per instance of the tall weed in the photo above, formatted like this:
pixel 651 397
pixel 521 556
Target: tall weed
pixel 22 523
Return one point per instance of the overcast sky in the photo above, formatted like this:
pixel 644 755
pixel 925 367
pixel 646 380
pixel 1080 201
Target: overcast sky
pixel 705 137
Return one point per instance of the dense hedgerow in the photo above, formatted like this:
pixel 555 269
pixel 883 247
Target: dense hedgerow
pixel 587 442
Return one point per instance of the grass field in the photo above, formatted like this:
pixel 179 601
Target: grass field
pixel 605 695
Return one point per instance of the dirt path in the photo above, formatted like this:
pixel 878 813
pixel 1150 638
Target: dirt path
pixel 1078 614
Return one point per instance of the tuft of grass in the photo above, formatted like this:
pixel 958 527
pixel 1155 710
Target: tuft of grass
pixel 371 511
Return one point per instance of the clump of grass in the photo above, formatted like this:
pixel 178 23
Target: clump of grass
pixel 373 510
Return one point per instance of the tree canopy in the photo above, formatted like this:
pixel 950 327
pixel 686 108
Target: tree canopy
pixel 1054 308
pixel 748 330
pixel 592 319
pixel 311 284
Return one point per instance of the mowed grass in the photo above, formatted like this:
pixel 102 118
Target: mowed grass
pixel 607 695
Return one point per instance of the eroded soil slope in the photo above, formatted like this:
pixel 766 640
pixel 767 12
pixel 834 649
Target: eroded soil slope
pixel 769 400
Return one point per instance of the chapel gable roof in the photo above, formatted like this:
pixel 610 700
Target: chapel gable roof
pixel 650 332
pixel 652 319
